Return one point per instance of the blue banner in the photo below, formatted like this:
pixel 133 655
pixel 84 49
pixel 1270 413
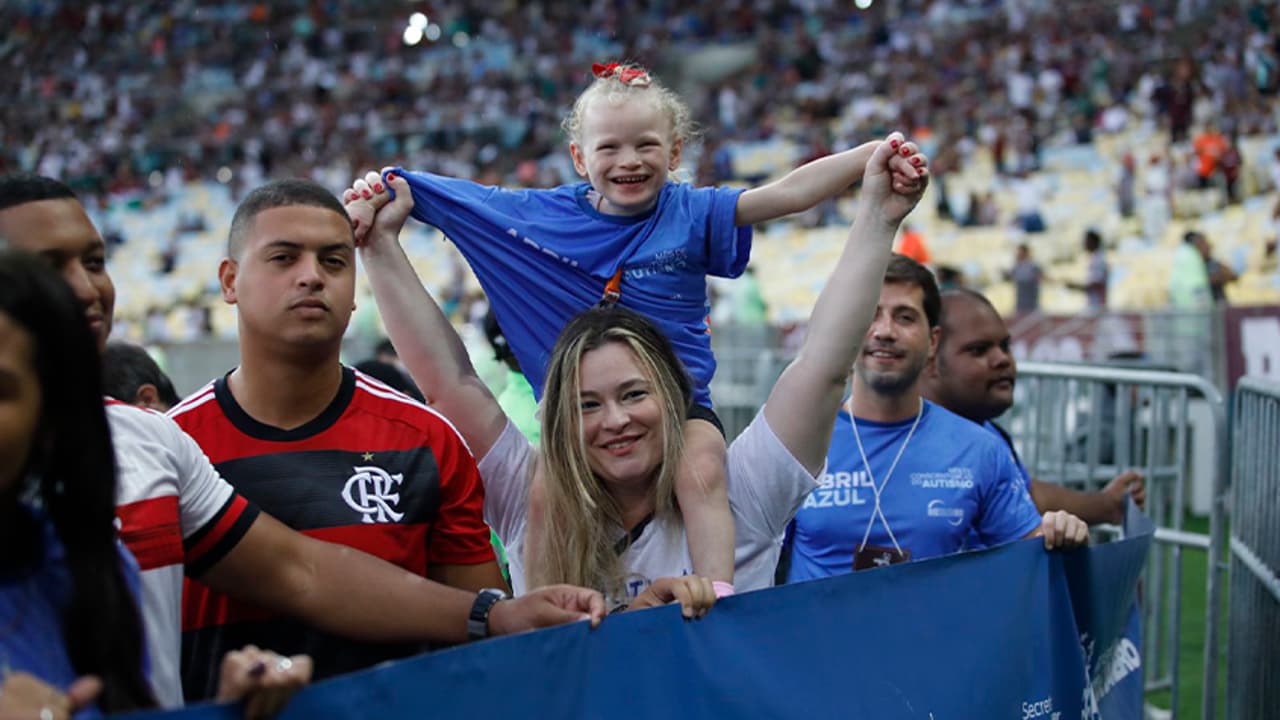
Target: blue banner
pixel 1111 635
pixel 1118 679
pixel 993 634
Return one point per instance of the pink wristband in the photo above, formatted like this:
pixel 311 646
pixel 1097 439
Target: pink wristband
pixel 722 588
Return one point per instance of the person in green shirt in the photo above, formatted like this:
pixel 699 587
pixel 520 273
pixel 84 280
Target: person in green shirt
pixel 749 307
pixel 516 397
pixel 1191 297
pixel 1188 278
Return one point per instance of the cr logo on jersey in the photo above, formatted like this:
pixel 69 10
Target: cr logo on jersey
pixel 369 492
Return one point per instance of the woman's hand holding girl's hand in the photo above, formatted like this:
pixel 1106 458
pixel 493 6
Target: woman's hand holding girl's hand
pixel 882 192
pixel 909 170
pixel 375 216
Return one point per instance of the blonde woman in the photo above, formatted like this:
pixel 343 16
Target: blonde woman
pixel 614 405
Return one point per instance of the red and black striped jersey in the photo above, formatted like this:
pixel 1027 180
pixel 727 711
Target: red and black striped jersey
pixel 376 470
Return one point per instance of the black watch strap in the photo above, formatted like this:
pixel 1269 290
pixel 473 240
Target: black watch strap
pixel 478 621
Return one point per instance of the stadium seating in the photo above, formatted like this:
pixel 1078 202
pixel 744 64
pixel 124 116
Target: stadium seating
pixel 270 91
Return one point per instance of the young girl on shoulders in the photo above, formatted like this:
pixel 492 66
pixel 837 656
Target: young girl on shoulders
pixel 627 235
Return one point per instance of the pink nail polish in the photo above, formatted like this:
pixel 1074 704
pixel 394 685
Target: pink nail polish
pixel 377 188
pixel 367 194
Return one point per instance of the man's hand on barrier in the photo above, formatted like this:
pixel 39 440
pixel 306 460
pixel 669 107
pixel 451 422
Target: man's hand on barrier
pixel 695 594
pixel 546 607
pixel 263 679
pixel 1061 529
pixel 1129 482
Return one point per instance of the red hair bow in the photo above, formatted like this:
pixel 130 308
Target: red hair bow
pixel 625 74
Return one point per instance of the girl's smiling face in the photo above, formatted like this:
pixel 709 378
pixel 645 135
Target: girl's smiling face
pixel 627 150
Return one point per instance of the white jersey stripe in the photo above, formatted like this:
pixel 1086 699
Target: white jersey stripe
pixel 194 400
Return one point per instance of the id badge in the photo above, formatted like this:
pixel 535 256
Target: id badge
pixel 875 556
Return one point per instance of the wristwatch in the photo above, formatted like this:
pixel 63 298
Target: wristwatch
pixel 478 621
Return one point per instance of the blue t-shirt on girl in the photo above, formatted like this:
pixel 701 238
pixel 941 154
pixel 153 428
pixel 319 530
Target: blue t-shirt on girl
pixel 543 256
pixel 954 480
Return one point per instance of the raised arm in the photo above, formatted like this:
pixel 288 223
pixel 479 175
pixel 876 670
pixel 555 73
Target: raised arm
pixel 425 341
pixel 802 405
pixel 815 181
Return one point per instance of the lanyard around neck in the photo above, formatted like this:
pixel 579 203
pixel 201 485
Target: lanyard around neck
pixel 876 490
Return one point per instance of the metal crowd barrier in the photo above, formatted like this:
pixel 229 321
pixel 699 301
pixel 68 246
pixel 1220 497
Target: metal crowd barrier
pixel 748 361
pixel 1083 425
pixel 1253 640
pixel 1184 340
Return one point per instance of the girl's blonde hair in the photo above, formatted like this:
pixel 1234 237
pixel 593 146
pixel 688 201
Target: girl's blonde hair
pixel 578 528
pixel 619 82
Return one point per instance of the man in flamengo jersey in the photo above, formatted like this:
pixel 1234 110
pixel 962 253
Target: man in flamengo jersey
pixel 177 514
pixel 327 450
pixel 906 479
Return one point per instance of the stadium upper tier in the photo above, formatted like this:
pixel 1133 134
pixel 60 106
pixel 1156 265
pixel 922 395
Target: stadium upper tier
pixel 146 106
pixel 113 96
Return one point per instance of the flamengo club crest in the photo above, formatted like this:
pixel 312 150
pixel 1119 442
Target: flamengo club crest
pixel 370 493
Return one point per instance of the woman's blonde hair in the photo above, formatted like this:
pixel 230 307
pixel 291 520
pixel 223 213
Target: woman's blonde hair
pixel 577 531
pixel 619 82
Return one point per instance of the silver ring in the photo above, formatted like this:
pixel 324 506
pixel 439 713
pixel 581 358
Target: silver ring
pixel 46 713
pixel 282 665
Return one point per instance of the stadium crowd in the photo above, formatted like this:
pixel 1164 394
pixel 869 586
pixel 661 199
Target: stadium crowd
pixel 138 106
pixel 114 93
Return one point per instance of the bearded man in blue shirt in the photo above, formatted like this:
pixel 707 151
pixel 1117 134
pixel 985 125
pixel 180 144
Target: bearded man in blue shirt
pixel 907 479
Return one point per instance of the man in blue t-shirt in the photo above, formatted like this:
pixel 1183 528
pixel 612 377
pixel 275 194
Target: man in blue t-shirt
pixel 907 479
pixel 973 375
